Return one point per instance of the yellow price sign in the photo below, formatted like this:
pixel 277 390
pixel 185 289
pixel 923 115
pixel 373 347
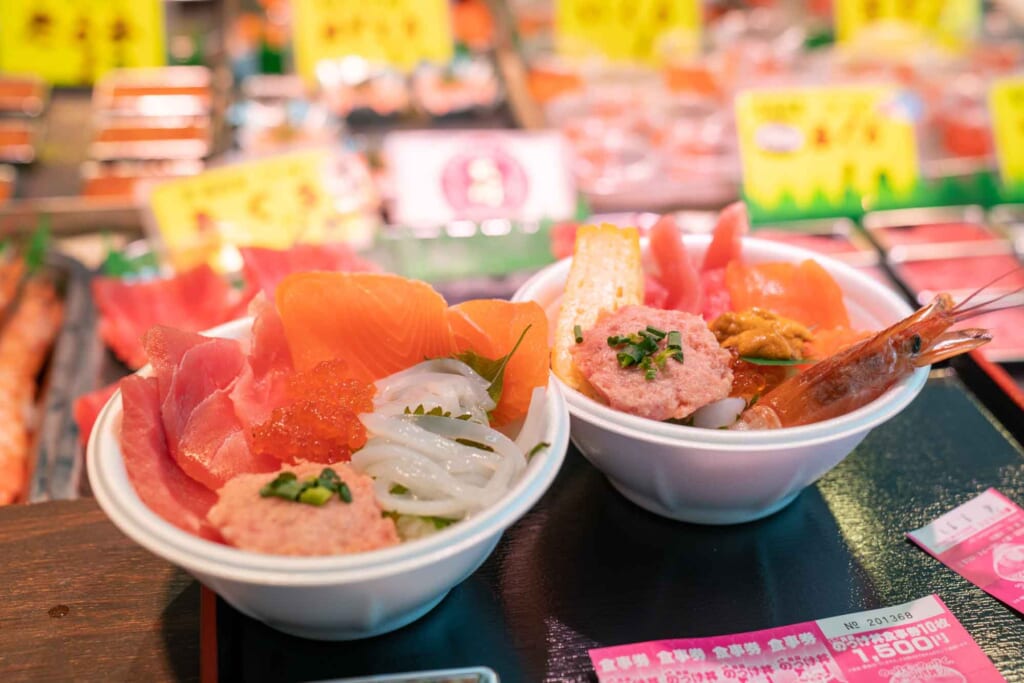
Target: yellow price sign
pixel 645 31
pixel 401 33
pixel 816 149
pixel 74 43
pixel 1006 105
pixel 273 202
pixel 906 24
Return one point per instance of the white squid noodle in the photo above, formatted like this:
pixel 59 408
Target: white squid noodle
pixel 433 459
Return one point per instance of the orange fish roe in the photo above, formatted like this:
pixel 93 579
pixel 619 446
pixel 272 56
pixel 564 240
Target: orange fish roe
pixel 750 380
pixel 321 422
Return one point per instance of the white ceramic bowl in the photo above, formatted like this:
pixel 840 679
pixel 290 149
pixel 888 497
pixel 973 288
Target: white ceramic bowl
pixel 328 598
pixel 719 476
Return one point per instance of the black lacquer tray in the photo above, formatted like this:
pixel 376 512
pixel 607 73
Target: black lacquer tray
pixel 587 568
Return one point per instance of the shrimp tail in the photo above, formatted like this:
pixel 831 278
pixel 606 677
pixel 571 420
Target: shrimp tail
pixel 951 344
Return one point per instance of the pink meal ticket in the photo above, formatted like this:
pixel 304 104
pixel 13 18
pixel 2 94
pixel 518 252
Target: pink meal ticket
pixel 983 541
pixel 916 642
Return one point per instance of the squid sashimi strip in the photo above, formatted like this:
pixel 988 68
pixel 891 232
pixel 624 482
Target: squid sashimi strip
pixel 24 345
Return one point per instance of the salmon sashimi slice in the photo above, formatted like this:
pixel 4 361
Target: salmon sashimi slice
pixel 675 272
pixel 378 324
pixel 491 328
pixel 804 292
pixel 157 479
pixel 727 239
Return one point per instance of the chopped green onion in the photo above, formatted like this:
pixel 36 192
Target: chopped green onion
pixel 537 449
pixel 398 490
pixel 675 340
pixel 630 355
pixel 315 495
pixel 578 333
pixel 655 332
pixel 312 491
pixel 344 492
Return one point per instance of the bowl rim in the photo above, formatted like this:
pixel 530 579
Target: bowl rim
pixel 864 418
pixel 117 497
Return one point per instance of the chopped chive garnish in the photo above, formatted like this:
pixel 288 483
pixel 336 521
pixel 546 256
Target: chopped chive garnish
pixel 312 491
pixel 641 349
pixel 398 490
pixel 344 492
pixel 577 332
pixel 315 495
pixel 537 449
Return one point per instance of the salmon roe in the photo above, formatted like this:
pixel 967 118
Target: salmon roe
pixel 750 380
pixel 320 423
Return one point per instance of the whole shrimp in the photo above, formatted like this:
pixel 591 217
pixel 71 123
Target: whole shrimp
pixel 861 373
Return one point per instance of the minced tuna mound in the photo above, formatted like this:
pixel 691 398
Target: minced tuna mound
pixel 678 389
pixel 283 527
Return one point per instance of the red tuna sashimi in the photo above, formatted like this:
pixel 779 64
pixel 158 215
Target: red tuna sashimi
pixel 214 447
pixel 195 377
pixel 263 384
pixel 675 271
pixel 87 408
pixel 726 240
pixel 716 294
pixel 265 268
pixel 194 300
pixel 655 294
pixel 159 482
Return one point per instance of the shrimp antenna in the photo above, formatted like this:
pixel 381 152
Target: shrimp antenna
pixel 986 306
pixel 981 289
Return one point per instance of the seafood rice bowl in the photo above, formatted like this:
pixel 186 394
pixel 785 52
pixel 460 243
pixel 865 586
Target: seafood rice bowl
pixel 746 432
pixel 332 484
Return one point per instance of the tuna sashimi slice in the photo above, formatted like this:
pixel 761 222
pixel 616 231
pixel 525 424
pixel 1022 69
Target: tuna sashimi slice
pixel 263 384
pixel 726 240
pixel 269 352
pixel 166 346
pixel 194 300
pixel 716 295
pixel 378 324
pixel 159 482
pixel 675 271
pixel 204 369
pixel 213 447
pixel 265 268
pixel 87 408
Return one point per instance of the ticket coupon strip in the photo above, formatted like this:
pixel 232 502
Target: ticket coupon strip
pixel 915 641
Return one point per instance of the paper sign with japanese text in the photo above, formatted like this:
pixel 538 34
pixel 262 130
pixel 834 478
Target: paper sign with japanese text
pixel 825 151
pixel 272 202
pixel 74 43
pixel 913 642
pixel 646 31
pixel 440 177
pixel 1006 105
pixel 400 33
pixel 907 24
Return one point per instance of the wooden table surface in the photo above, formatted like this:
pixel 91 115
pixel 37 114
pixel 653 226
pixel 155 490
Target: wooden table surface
pixel 82 602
